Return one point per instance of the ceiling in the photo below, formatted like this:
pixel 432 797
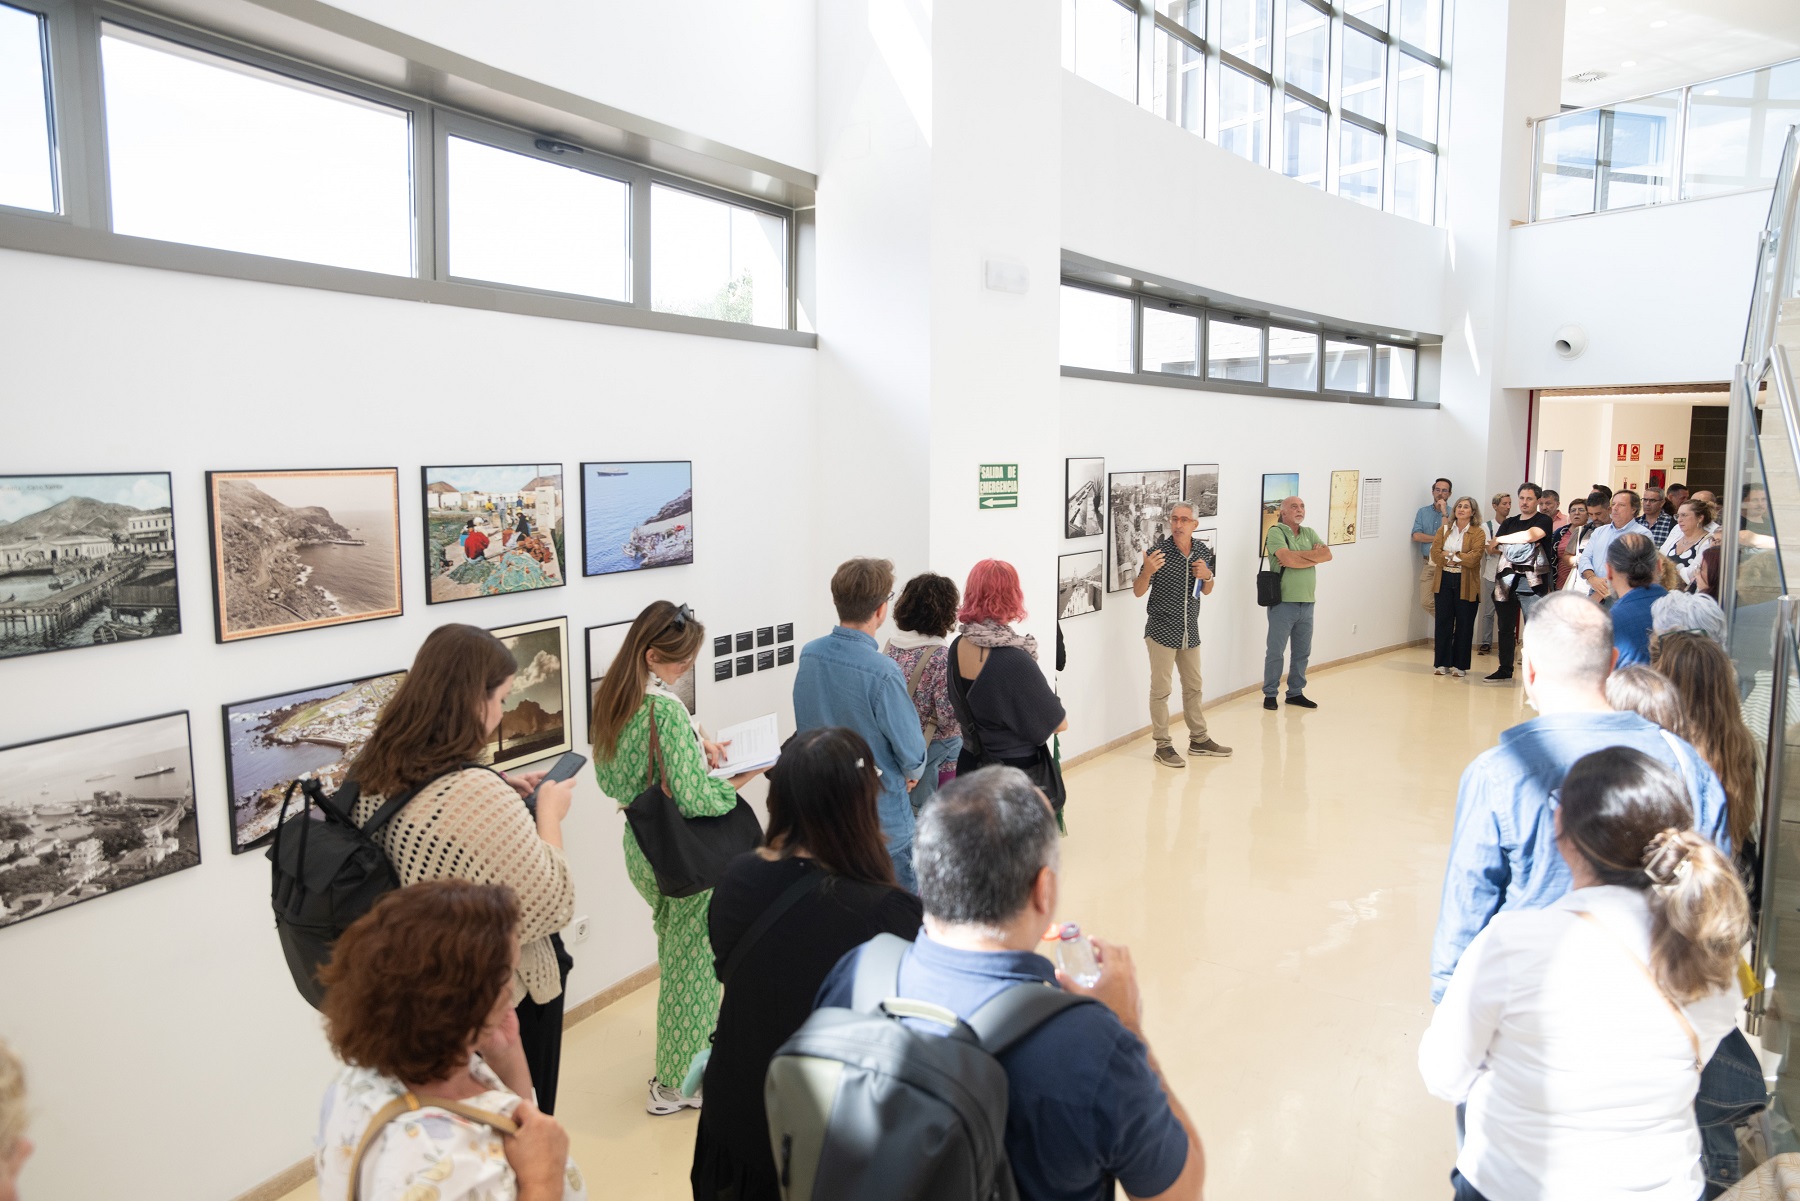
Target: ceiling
pixel 1693 40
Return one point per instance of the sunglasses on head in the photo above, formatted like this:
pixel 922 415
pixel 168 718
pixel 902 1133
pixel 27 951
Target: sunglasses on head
pixel 683 615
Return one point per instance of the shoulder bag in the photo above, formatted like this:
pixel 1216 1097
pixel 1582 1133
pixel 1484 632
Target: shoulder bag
pixel 1268 583
pixel 1044 769
pixel 912 688
pixel 406 1104
pixel 688 854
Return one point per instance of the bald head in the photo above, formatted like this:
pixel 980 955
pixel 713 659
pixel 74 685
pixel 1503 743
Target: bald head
pixel 1292 510
pixel 1569 642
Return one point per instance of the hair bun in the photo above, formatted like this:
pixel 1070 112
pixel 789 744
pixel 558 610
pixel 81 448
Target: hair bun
pixel 1666 858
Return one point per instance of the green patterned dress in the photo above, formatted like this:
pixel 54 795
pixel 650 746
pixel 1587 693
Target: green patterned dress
pixel 687 1003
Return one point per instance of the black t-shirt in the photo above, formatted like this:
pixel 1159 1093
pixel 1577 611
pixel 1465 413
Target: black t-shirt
pixel 1541 561
pixel 772 992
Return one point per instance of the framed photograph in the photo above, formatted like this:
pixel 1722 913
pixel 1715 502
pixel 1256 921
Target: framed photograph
pixel 1084 497
pixel 636 515
pixel 492 529
pixel 1137 505
pixel 534 721
pixel 310 734
pixel 1209 538
pixel 299 550
pixel 1200 486
pixel 1344 501
pixel 84 560
pixel 746 664
pixel 784 632
pixel 1275 489
pixel 784 655
pixel 603 645
pixel 1080 583
pixel 88 814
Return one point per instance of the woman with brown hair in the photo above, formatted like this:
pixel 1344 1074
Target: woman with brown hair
pixel 633 699
pixel 468 822
pixel 824 875
pixel 418 991
pixel 1712 721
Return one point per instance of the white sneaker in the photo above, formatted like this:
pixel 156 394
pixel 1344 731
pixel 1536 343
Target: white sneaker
pixel 1458 672
pixel 1440 671
pixel 665 1100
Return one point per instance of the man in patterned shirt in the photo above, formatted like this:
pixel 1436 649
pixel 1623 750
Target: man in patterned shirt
pixel 1176 572
pixel 1657 516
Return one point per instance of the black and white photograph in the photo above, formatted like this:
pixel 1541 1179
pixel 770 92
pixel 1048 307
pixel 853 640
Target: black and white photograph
pixel 1138 515
pixel 86 560
pixel 1200 487
pixel 636 515
pixel 1209 538
pixel 1080 583
pixel 784 655
pixel 603 645
pixel 492 529
pixel 1084 497
pixel 299 550
pixel 534 718
pixel 87 814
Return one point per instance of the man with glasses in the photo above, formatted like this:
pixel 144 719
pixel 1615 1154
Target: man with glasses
pixel 845 680
pixel 1657 516
pixel 1177 572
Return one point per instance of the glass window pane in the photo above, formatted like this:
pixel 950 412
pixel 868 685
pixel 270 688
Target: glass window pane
pixel 1293 359
pixel 1308 62
pixel 1096 330
pixel 1394 372
pixel 1415 183
pixel 1100 44
pixel 1346 366
pixel 1416 95
pixel 1735 130
pixel 1234 351
pixel 1372 11
pixel 1244 30
pixel 1359 164
pixel 1568 148
pixel 1637 140
pixel 1189 14
pixel 1244 115
pixel 206 151
pixel 1421 23
pixel 1171 342
pixel 520 220
pixel 27 178
pixel 1176 82
pixel 1365 71
pixel 718 260
pixel 1303 143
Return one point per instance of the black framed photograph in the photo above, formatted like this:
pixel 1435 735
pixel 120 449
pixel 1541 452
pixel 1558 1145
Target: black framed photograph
pixel 308 734
pixel 636 515
pixel 1200 487
pixel 1138 515
pixel 492 529
pixel 1080 583
pixel 301 550
pixel 534 719
pixel 86 560
pixel 746 641
pixel 784 655
pixel 1084 497
pixel 604 642
pixel 765 660
pixel 784 632
pixel 91 813
pixel 765 635
pixel 746 664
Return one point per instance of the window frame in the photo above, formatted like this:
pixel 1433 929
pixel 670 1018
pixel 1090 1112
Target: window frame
pixel 1193 312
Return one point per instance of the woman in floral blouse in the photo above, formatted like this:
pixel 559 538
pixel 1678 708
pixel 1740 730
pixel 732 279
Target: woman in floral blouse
pixel 659 649
pixel 924 617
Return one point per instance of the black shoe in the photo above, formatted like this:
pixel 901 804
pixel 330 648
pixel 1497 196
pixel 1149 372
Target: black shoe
pixel 1503 676
pixel 1300 699
pixel 1268 702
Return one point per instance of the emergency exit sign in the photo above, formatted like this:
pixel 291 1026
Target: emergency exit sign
pixel 1680 464
pixel 998 487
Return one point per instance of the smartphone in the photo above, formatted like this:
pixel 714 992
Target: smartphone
pixel 562 769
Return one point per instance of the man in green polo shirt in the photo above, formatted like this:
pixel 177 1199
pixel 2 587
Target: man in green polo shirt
pixel 1296 551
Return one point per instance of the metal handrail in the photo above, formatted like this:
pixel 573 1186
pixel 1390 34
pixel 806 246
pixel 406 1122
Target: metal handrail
pixel 1693 83
pixel 1774 755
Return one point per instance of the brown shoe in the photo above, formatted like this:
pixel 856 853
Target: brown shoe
pixel 1209 747
pixel 1166 756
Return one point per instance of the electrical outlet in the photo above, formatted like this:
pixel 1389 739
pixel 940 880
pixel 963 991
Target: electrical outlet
pixel 578 930
pixel 1353 627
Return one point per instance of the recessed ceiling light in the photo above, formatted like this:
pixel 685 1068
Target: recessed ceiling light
pixel 1659 24
pixel 1630 62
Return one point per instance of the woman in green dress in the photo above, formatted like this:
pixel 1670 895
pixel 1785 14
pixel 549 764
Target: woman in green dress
pixel 659 649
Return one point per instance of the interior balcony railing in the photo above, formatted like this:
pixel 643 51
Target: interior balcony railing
pixel 1705 139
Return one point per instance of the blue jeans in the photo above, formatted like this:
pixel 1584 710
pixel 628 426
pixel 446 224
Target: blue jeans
pixel 1290 621
pixel 938 752
pixel 897 832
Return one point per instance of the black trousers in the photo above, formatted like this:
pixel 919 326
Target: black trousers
pixel 541 1031
pixel 1506 617
pixel 1455 624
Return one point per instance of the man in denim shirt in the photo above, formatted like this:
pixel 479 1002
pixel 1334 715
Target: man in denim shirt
pixel 845 680
pixel 1503 853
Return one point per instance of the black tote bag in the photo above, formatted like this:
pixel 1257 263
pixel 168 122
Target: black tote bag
pixel 688 854
pixel 1268 583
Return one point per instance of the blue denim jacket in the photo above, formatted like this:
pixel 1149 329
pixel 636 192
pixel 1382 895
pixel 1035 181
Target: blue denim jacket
pixel 1503 853
pixel 845 680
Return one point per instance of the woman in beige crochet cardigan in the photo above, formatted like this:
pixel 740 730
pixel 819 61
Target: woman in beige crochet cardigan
pixel 472 825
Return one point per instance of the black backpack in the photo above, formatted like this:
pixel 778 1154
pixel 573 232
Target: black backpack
pixel 326 872
pixel 863 1106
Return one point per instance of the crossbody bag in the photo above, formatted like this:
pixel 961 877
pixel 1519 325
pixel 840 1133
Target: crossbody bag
pixel 1680 1015
pixel 408 1103
pixel 912 688
pixel 1268 583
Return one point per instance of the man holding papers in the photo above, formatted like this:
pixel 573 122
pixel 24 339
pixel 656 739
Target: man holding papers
pixel 845 680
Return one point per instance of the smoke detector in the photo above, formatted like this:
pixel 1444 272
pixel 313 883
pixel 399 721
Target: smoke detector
pixel 1587 77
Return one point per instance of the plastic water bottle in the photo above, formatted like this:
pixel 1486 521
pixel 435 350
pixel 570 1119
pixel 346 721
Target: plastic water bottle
pixel 1075 956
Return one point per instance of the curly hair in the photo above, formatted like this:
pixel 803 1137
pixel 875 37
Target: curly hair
pixel 927 605
pixel 411 983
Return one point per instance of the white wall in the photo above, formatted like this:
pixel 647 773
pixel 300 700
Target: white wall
pixel 163 1017
pixel 1589 430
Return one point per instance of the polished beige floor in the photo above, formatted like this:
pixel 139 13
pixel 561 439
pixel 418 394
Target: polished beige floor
pixel 1279 905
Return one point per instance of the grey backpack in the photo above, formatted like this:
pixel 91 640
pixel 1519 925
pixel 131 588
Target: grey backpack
pixel 861 1105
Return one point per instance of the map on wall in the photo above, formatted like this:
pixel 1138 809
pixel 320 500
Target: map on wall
pixel 1343 508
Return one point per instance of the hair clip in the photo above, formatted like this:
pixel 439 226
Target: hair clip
pixel 860 764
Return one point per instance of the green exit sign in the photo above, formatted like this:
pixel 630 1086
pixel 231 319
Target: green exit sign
pixel 1680 465
pixel 998 487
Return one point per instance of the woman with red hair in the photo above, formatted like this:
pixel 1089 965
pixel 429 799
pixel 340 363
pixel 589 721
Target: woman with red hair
pixel 1006 708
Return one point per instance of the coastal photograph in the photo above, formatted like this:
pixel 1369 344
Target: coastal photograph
pixel 493 529
pixel 1080 583
pixel 1200 485
pixel 534 723
pixel 86 560
pixel 92 813
pixel 636 515
pixel 297 550
pixel 1084 497
pixel 309 735
pixel 1137 517
pixel 603 645
pixel 1275 489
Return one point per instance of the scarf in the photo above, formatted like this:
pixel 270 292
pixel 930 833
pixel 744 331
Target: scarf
pixel 906 640
pixel 993 633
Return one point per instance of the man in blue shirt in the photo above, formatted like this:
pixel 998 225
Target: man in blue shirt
pixel 1503 852
pixel 1426 523
pixel 1086 1102
pixel 1631 577
pixel 1590 565
pixel 845 680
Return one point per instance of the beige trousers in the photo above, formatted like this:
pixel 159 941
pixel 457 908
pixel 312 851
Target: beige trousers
pixel 1427 599
pixel 1163 661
